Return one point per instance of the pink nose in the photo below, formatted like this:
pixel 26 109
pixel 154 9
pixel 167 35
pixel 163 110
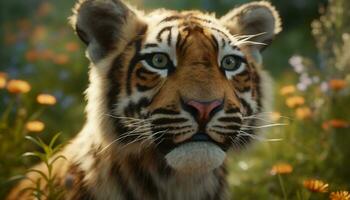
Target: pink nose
pixel 204 108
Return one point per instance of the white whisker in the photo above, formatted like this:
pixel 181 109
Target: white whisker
pixel 264 126
pixel 256 137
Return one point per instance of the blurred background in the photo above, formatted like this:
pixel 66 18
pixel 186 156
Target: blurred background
pixel 43 74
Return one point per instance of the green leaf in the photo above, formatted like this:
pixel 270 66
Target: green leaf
pixel 30 138
pixel 53 140
pixel 56 158
pixel 39 155
pixel 42 174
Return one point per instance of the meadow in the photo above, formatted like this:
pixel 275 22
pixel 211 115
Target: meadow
pixel 43 75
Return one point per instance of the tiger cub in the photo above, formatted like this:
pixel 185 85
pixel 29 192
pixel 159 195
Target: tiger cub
pixel 170 94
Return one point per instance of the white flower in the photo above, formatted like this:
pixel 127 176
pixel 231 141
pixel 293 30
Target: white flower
pixel 324 86
pixel 296 62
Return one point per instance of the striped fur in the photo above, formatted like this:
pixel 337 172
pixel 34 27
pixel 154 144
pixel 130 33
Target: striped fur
pixel 138 141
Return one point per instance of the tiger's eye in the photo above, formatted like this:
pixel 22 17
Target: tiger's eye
pixel 160 61
pixel 230 63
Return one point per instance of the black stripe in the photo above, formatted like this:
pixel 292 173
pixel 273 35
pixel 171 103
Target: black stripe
pixel 222 187
pixel 256 79
pixel 165 111
pixel 122 183
pixel 216 43
pixel 143 102
pixel 129 110
pixel 244 89
pixel 247 78
pixel 232 110
pixel 201 19
pixel 234 47
pixel 151 45
pixel 180 133
pixel 230 119
pixel 79 190
pixel 223 43
pixel 170 18
pixel 246 106
pixel 135 59
pixel 143 88
pixel 230 127
pixel 159 36
pixel 135 108
pixel 219 31
pixel 146 71
pixel 144 74
pixel 178 40
pixel 169 120
pixel 143 178
pixel 169 37
pixel 114 90
pixel 170 128
pixel 183 42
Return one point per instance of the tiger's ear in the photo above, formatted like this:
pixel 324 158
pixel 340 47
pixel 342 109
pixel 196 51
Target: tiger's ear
pixel 103 25
pixel 257 18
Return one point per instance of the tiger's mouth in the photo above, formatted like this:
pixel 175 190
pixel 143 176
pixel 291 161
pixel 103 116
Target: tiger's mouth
pixel 199 137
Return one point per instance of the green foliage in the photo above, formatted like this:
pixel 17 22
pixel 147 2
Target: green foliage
pixel 48 157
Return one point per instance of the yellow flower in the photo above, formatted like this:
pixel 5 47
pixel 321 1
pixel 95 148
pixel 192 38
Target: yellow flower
pixel 337 84
pixel 335 123
pixel 3 79
pixel 72 46
pixel 39 33
pixel 286 90
pixel 338 123
pixel 44 9
pixel 339 195
pixel 46 54
pixel 46 99
pixel 275 116
pixel 35 126
pixel 315 185
pixel 18 86
pixel 295 101
pixel 303 113
pixel 31 55
pixel 281 168
pixel 60 59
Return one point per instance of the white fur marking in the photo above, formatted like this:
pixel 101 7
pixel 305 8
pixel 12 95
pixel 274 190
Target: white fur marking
pixel 196 157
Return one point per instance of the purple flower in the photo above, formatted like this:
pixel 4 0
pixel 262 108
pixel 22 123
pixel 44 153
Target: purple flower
pixel 296 62
pixel 301 87
pixel 305 79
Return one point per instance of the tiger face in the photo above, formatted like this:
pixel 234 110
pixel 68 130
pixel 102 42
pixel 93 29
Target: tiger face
pixel 179 84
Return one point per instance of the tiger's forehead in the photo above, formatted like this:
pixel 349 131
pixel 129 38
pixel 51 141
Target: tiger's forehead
pixel 161 23
pixel 166 29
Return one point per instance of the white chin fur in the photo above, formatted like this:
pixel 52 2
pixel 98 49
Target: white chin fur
pixel 195 157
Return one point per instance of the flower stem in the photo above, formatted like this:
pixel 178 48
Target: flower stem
pixel 282 187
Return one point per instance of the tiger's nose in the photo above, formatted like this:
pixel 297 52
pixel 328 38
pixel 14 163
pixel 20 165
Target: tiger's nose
pixel 204 110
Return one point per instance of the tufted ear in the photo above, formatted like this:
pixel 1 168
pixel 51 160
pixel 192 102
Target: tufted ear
pixel 256 18
pixel 103 25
